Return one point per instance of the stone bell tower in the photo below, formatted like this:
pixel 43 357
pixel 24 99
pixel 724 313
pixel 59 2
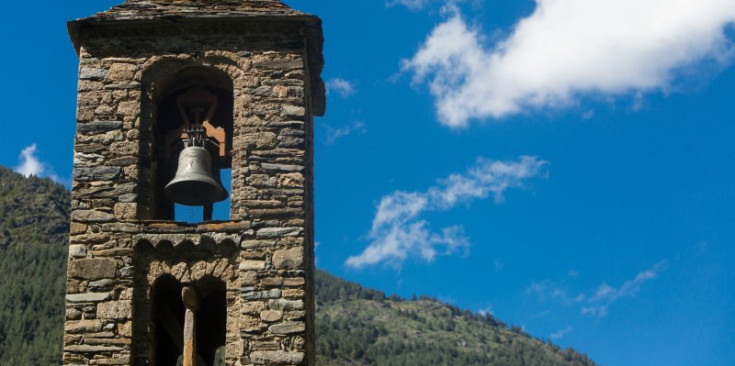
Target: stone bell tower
pixel 171 94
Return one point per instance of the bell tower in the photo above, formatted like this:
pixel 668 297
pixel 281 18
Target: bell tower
pixel 172 95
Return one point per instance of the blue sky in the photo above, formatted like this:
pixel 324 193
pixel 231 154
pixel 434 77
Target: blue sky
pixel 566 165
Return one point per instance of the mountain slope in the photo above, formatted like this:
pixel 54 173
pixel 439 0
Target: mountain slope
pixel 355 326
pixel 34 222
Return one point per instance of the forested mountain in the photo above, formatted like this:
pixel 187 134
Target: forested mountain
pixel 355 326
pixel 34 222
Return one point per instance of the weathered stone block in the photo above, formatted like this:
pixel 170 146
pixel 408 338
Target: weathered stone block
pixel 254 244
pixel 83 326
pixel 91 216
pixel 261 180
pixel 265 345
pixel 88 297
pixel 271 316
pixel 286 305
pixel 251 265
pixel 124 148
pixel 293 293
pixel 294 111
pixel 263 91
pixel 281 168
pixel 276 232
pixel 121 360
pixel 92 73
pixel 260 140
pixel 86 348
pixel 77 228
pixel 276 358
pixel 114 310
pixel 125 329
pixel 99 126
pixel 120 72
pixel 281 64
pixel 104 284
pixel 92 269
pixel 252 307
pixel 286 328
pixel 291 142
pixel 87 174
pixel 126 211
pixel 291 180
pixel 261 295
pixel 288 258
pixel 73 314
pixel 77 250
pixel 293 282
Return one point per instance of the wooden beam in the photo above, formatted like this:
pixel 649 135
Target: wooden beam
pixel 174 329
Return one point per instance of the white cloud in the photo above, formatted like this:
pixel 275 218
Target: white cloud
pixel 340 86
pixel 598 311
pixel 488 310
pixel 411 4
pixel 568 49
pixel 595 302
pixel 605 294
pixel 334 134
pixel 561 333
pixel 397 231
pixel 549 290
pixel 31 165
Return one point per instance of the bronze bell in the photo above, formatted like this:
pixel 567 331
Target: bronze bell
pixel 194 184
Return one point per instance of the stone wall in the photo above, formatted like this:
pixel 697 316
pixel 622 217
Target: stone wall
pixel 264 254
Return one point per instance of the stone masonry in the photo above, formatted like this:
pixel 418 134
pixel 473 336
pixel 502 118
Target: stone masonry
pixel 119 247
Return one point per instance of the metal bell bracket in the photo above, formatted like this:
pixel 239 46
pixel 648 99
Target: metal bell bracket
pixel 195 137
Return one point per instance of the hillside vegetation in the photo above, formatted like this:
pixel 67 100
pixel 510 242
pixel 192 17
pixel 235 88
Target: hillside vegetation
pixel 355 326
pixel 34 222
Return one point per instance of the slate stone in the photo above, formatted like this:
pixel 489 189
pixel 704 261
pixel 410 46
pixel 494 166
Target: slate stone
pixel 91 216
pixel 281 167
pixel 276 358
pixel 287 328
pixel 276 232
pixel 88 297
pixel 86 348
pixel 261 295
pixel 104 284
pixel 86 174
pixel 263 91
pixel 286 305
pixel 91 73
pixel 99 126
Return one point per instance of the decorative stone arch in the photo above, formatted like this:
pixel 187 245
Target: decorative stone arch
pixel 162 80
pixel 214 275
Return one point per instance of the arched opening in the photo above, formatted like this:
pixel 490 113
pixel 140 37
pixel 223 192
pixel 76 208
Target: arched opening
pixel 193 111
pixel 212 320
pixel 169 319
pixel 207 316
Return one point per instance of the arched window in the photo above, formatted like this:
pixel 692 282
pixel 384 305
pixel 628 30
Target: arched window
pixel 169 320
pixel 196 101
pixel 189 318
